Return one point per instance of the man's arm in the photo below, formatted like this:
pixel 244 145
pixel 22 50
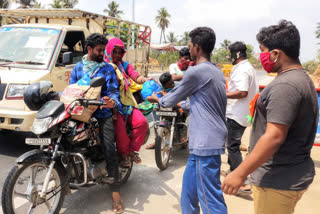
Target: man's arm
pixel 237 94
pixel 187 87
pixel 265 148
pixel 241 80
pixel 73 78
pixel 185 105
pixel 176 77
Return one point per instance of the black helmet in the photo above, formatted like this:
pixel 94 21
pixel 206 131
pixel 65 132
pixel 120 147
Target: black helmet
pixel 37 94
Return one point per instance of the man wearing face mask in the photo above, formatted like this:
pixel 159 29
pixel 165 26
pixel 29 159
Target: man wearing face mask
pixel 242 87
pixel 284 127
pixel 178 69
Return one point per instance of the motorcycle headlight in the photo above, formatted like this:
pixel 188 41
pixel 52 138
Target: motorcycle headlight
pixel 15 91
pixel 40 126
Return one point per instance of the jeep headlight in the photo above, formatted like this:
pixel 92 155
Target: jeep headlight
pixel 15 91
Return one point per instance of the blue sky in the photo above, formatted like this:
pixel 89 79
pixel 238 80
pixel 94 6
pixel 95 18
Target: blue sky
pixel 230 19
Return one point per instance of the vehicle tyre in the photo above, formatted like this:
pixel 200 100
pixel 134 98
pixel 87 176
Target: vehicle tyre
pixel 147 136
pixel 124 174
pixel 13 179
pixel 162 148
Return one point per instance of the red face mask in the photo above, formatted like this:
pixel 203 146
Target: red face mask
pixel 183 65
pixel 265 61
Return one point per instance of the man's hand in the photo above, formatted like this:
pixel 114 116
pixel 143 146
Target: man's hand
pixel 163 93
pixel 232 183
pixel 109 102
pixel 153 98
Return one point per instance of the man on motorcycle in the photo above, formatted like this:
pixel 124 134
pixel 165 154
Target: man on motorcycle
pixel 94 64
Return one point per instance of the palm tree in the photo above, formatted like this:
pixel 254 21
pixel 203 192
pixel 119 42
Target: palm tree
pixel 162 19
pixel 3 4
pixel 69 3
pixel 112 10
pixel 57 4
pixel 318 31
pixel 225 44
pixel 172 38
pixel 64 3
pixel 185 39
pixel 37 5
pixel 25 3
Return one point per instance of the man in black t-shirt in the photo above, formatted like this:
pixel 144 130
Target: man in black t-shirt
pixel 284 127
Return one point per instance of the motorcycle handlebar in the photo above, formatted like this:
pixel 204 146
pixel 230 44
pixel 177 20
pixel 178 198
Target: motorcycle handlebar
pixel 93 103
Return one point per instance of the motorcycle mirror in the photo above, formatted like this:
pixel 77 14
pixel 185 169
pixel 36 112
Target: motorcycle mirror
pixel 97 82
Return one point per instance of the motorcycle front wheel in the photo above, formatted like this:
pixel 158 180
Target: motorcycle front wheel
pixel 162 148
pixel 124 173
pixel 24 182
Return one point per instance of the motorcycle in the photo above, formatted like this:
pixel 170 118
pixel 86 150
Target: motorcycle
pixel 170 129
pixel 70 156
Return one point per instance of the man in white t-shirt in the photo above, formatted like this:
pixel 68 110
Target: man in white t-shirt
pixel 178 69
pixel 242 88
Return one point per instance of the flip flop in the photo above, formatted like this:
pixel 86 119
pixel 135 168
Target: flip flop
pixel 151 146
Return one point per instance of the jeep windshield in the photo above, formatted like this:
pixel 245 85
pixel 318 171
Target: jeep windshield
pixel 27 47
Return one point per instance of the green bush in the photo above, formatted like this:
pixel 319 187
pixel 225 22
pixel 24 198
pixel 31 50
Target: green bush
pixel 165 58
pixel 311 65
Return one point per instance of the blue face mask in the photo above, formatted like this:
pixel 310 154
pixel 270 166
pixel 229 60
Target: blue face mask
pixel 168 89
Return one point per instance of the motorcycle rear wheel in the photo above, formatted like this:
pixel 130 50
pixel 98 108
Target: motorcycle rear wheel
pixel 16 201
pixel 162 148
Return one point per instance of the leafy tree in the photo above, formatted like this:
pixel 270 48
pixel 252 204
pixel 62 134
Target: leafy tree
pixel 318 31
pixel 113 10
pixel 220 56
pixel 57 4
pixel 25 3
pixel 69 3
pixel 162 19
pixel 185 39
pixel 64 3
pixel 225 44
pixel 165 58
pixel 172 38
pixel 37 5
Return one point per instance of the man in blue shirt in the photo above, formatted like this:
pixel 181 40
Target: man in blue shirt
pixel 92 65
pixel 204 84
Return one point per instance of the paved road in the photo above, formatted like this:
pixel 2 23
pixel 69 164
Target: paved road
pixel 149 191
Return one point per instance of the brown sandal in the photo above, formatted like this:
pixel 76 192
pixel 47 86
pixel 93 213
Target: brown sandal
pixel 125 161
pixel 117 207
pixel 135 157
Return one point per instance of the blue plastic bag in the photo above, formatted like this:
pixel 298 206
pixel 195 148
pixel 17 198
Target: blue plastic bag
pixel 149 87
pixel 85 80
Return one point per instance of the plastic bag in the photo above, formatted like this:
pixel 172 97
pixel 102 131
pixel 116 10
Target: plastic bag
pixel 85 80
pixel 149 87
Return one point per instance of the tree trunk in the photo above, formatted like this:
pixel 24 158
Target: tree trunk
pixel 160 36
pixel 164 35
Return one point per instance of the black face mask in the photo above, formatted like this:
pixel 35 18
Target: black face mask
pixel 234 57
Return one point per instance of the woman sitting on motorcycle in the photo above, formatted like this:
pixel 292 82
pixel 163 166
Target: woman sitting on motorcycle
pixel 127 146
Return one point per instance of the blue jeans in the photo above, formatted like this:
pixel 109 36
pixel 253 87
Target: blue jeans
pixel 201 183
